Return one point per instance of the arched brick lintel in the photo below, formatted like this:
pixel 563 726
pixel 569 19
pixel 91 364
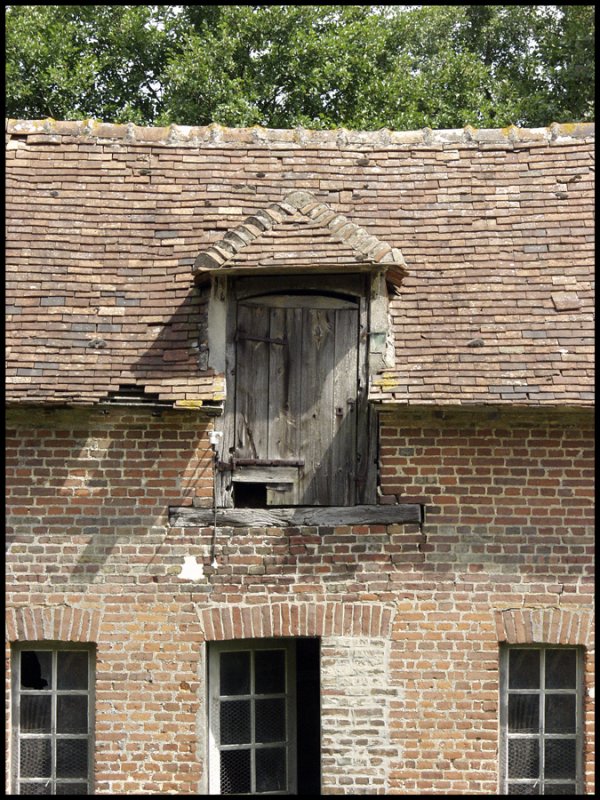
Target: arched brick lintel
pixel 268 620
pixel 60 623
pixel 544 626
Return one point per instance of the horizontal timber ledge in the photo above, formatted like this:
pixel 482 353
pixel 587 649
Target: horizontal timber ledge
pixel 185 516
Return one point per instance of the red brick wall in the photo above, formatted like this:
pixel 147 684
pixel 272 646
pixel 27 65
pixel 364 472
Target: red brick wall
pixel 504 555
pixel 88 498
pixel 508 530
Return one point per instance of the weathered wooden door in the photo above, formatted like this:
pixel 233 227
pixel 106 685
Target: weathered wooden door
pixel 297 385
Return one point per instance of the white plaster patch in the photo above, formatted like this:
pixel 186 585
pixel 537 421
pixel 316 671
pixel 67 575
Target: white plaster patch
pixel 191 570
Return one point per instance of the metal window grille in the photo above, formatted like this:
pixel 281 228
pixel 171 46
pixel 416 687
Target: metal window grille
pixel 541 718
pixel 252 718
pixel 52 693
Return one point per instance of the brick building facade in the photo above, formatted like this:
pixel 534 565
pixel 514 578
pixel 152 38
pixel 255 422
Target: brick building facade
pixel 196 604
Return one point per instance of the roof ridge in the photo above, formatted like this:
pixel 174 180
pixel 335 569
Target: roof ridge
pixel 215 134
pixel 370 249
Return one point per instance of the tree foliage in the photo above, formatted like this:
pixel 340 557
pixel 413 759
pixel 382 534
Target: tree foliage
pixel 361 67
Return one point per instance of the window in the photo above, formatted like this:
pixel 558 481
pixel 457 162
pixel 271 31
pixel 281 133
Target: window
pixel 53 719
pixel 541 720
pixel 264 717
pixel 297 426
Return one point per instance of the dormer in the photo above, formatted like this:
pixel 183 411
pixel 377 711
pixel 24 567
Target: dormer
pixel 298 323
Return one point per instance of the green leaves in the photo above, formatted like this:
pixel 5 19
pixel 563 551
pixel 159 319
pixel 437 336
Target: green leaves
pixel 362 67
pixel 71 62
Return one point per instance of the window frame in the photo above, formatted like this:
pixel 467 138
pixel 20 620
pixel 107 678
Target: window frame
pixel 17 693
pixel 540 735
pixel 214 746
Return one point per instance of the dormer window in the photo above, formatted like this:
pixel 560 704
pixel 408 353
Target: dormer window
pixel 298 324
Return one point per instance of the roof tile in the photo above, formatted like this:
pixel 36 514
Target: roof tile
pixel 495 304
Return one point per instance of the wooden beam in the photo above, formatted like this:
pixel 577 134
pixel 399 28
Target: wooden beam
pixel 185 516
pixel 260 474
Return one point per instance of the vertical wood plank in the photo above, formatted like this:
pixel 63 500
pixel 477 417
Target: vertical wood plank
pixel 318 350
pixel 366 445
pixel 368 490
pixel 252 382
pixel 277 386
pixel 343 443
pixel 223 486
pixel 285 412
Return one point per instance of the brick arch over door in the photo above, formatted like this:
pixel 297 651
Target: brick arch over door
pixel 544 626
pixel 296 619
pixel 59 624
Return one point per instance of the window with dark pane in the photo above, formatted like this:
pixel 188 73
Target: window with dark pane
pixel 52 706
pixel 541 720
pixel 255 718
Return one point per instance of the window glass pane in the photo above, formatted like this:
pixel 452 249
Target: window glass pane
pixel 35 713
pixel 49 715
pixel 36 669
pixel 71 788
pixel 270 770
pixel 71 714
pixel 560 713
pixel 561 669
pixel 523 713
pixel 235 673
pixel 553 726
pixel 270 720
pixel 71 758
pixel 72 670
pixel 235 772
pixel 235 721
pixel 560 758
pixel 34 758
pixel 269 671
pixel 35 788
pixel 524 669
pixel 523 758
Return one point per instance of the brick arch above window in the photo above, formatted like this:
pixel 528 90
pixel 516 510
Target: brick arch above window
pixel 297 619
pixel 544 626
pixel 59 624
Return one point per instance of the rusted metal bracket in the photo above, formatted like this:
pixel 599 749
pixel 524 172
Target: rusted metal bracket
pixel 269 340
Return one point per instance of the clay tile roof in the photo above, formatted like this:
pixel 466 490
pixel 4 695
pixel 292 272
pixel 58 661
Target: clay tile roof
pixel 107 224
pixel 312 235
